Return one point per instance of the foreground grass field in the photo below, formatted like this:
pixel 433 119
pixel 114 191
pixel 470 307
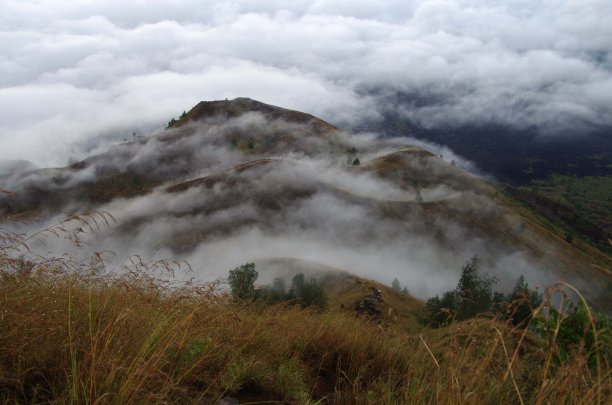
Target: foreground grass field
pixel 72 334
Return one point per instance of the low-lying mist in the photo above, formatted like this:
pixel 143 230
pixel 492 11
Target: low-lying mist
pixel 251 189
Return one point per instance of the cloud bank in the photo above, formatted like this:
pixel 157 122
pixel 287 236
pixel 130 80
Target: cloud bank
pixel 75 74
pixel 295 198
pixel 403 212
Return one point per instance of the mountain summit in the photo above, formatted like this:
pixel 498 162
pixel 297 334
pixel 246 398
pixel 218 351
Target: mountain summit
pixel 228 109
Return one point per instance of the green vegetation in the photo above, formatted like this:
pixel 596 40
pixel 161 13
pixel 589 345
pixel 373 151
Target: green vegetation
pixel 306 294
pixel 576 328
pixel 397 287
pixel 520 304
pixel 242 281
pixel 173 121
pixel 474 296
pixel 71 333
pixel 577 207
pixel 565 331
pixel 126 184
pixel 590 197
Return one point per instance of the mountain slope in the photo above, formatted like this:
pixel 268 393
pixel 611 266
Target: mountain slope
pixel 237 181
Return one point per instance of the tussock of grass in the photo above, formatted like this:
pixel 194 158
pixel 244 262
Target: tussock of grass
pixel 71 335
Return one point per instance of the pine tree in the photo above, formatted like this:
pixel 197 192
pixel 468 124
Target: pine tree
pixel 474 292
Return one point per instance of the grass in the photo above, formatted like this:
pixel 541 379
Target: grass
pixel 69 334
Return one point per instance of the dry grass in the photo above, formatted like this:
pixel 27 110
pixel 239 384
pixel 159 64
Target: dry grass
pixel 72 335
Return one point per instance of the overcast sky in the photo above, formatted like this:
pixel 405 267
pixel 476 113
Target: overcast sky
pixel 74 72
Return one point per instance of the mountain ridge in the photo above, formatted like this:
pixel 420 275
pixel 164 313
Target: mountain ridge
pixel 239 180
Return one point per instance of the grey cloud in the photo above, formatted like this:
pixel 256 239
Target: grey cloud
pixel 77 73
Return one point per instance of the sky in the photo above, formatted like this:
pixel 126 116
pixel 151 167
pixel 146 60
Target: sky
pixel 77 75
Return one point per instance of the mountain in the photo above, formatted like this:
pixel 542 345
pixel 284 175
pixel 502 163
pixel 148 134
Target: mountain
pixel 514 153
pixel 565 170
pixel 237 181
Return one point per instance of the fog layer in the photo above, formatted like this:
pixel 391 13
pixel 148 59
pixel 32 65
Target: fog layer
pixel 224 191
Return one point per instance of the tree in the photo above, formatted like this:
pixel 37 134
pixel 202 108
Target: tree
pixel 171 122
pixel 278 285
pixel 500 303
pixel 441 311
pixel 521 302
pixel 268 295
pixel 242 281
pixel 307 294
pixel 396 284
pixel 356 162
pixel 297 286
pixel 313 296
pixel 474 292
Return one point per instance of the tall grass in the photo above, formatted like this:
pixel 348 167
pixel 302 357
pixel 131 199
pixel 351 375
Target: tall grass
pixel 72 335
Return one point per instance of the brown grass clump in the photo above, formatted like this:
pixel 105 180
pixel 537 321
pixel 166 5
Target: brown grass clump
pixel 70 334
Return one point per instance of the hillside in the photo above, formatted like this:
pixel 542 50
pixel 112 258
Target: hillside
pixel 238 180
pixel 114 273
pixel 514 154
pixel 70 334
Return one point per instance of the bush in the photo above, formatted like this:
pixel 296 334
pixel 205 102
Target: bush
pixel 575 332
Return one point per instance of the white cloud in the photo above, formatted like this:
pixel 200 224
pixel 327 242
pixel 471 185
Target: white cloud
pixel 75 71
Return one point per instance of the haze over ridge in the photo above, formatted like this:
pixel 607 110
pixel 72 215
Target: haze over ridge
pixel 237 181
